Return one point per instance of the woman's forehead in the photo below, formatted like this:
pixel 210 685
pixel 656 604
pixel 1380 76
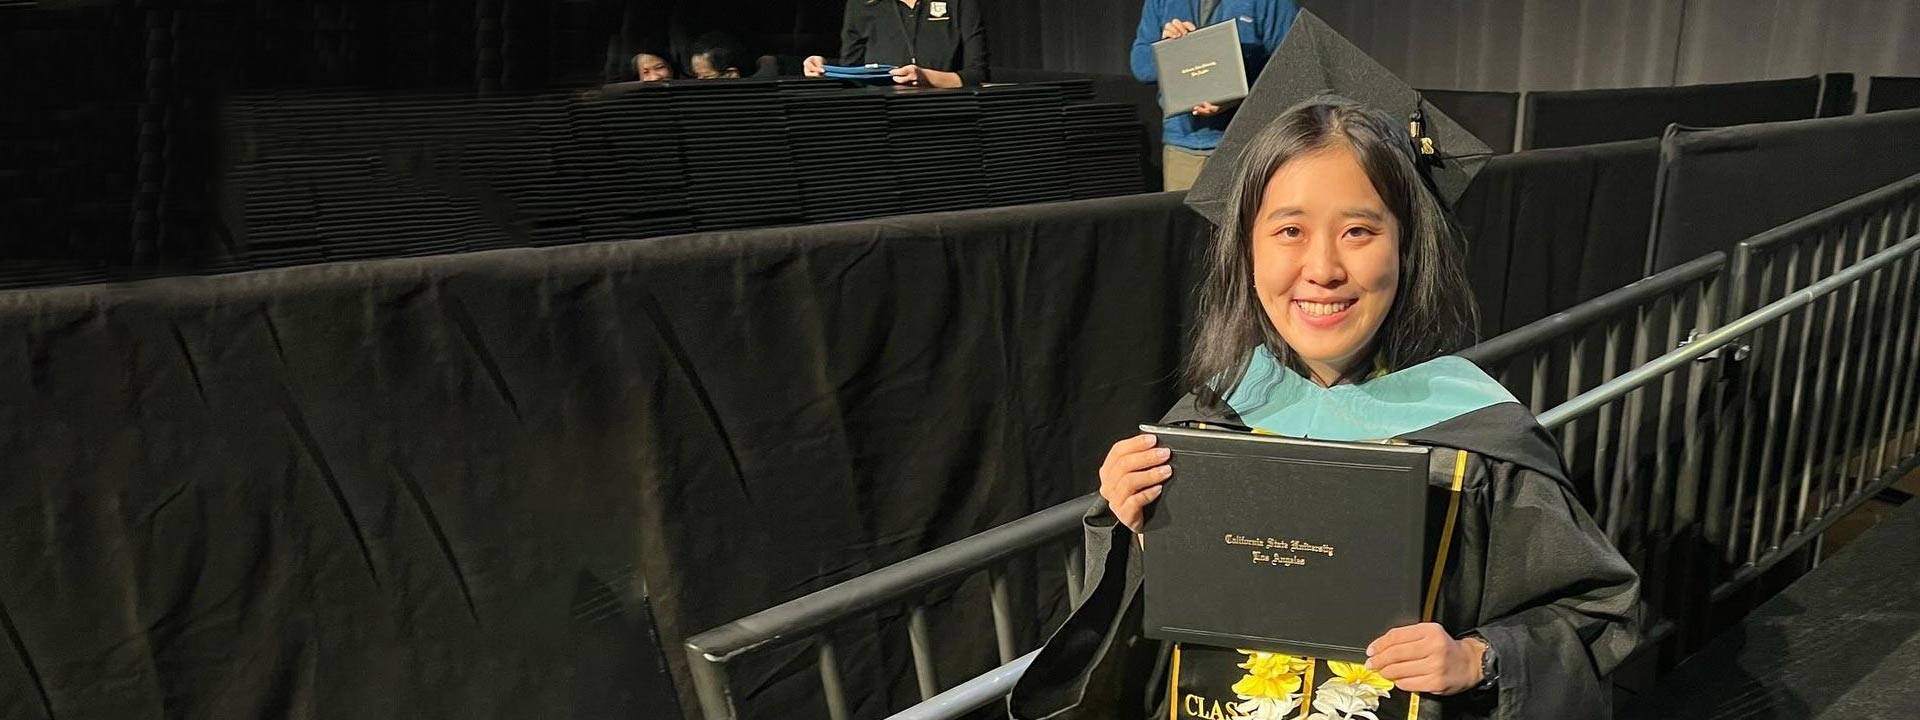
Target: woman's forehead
pixel 1320 181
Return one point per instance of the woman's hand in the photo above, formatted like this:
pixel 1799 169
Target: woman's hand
pixel 1425 659
pixel 916 75
pixel 814 66
pixel 1176 28
pixel 1206 109
pixel 1131 477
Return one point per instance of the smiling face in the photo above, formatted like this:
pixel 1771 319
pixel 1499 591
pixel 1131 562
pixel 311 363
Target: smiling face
pixel 1326 260
pixel 652 68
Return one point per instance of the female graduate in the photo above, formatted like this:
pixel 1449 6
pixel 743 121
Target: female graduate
pixel 1332 297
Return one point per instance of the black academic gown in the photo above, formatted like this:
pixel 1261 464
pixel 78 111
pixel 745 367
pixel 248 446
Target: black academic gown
pixel 1530 573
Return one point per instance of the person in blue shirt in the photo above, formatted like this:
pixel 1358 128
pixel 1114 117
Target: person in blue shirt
pixel 1188 139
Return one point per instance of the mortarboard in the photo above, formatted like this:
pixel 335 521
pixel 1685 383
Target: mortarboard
pixel 1312 61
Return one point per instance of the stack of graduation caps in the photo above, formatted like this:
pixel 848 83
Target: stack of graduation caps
pixel 1104 142
pixel 1314 60
pixel 739 167
pixel 934 137
pixel 839 153
pixel 622 166
pixel 1021 139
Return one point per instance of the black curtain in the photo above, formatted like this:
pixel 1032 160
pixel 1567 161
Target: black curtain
pixel 1587 117
pixel 1092 37
pixel 1892 93
pixel 471 486
pixel 1548 229
pixel 1723 185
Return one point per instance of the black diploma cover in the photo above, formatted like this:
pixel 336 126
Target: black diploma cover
pixel 1304 547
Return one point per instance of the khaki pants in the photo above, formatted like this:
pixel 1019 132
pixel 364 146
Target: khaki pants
pixel 1180 166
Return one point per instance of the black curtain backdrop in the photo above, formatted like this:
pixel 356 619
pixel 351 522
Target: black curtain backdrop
pixel 1586 117
pixel 1547 229
pixel 454 486
pixel 1721 186
pixel 1093 36
pixel 1490 116
pixel 1892 93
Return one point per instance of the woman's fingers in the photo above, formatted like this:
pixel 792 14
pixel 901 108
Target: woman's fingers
pixel 1134 462
pixel 1130 445
pixel 1140 480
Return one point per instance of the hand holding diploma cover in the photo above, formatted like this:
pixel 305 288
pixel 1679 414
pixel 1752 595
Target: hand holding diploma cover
pixel 1200 67
pixel 1298 546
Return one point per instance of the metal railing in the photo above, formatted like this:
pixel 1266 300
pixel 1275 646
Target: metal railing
pixel 1706 458
pixel 1831 389
pixel 1558 357
pixel 808 617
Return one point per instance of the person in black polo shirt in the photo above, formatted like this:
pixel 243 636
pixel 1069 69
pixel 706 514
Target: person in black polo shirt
pixel 935 43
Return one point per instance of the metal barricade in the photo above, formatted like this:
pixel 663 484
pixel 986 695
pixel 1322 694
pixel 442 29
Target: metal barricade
pixel 1558 357
pixel 1702 438
pixel 808 617
pixel 1830 395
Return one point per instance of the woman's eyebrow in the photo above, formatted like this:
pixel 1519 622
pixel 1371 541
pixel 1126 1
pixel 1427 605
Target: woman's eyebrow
pixel 1285 212
pixel 1362 213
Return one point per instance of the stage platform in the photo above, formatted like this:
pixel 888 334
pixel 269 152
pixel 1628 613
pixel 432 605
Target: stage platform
pixel 1842 642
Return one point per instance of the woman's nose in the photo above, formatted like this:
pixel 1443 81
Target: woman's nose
pixel 1321 264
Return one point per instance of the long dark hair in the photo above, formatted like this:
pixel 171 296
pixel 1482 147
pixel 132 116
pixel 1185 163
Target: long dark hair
pixel 1433 312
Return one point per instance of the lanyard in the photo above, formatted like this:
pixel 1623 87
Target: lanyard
pixel 1201 11
pixel 910 36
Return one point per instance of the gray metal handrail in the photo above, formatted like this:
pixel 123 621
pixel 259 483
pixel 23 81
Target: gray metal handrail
pixel 1580 317
pixel 1726 334
pixel 1819 219
pixel 803 617
pixel 1806 529
pixel 971 695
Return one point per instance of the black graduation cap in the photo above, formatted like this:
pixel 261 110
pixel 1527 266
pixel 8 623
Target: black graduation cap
pixel 1315 60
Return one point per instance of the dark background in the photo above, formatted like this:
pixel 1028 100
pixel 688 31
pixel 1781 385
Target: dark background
pixel 478 485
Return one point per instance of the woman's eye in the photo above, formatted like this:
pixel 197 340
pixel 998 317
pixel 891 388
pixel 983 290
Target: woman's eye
pixel 1292 233
pixel 1360 232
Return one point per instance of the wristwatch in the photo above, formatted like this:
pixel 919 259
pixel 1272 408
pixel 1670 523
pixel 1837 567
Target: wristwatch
pixel 1489 665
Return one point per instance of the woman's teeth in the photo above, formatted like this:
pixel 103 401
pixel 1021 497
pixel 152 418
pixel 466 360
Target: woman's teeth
pixel 1323 309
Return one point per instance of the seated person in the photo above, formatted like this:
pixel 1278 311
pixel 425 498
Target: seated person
pixel 718 56
pixel 652 65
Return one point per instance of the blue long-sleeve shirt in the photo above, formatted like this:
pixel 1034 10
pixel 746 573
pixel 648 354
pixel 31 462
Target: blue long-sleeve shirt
pixel 1262 24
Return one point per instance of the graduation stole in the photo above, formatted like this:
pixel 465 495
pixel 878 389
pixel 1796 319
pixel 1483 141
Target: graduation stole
pixel 1209 683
